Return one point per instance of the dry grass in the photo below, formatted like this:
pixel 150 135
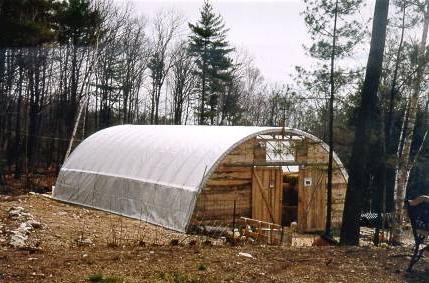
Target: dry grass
pixel 142 253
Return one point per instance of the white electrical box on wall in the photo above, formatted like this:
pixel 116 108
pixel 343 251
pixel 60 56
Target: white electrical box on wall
pixel 308 181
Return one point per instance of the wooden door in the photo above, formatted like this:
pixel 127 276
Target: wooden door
pixel 312 199
pixel 267 194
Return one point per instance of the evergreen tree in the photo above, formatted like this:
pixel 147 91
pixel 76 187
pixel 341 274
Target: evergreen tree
pixel 331 19
pixel 80 26
pixel 335 33
pixel 210 49
pixel 27 23
pixel 23 24
pixel 366 118
pixel 79 21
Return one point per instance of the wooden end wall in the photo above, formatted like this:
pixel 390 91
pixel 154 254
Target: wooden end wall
pixel 314 212
pixel 226 184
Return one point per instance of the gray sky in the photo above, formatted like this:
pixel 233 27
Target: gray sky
pixel 272 32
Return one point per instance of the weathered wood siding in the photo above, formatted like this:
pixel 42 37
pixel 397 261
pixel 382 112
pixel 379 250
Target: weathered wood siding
pixel 312 200
pixel 228 184
pixel 267 194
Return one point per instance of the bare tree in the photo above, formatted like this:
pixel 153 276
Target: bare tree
pixel 165 28
pixel 404 161
pixel 134 62
pixel 183 80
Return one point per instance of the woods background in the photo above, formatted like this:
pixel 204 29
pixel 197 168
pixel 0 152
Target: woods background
pixel 96 64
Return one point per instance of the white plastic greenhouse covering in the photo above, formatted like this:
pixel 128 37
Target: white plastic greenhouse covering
pixel 153 173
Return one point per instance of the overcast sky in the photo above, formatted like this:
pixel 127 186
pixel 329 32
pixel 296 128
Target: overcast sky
pixel 273 32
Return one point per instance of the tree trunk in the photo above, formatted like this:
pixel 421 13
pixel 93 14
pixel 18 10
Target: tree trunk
pixel 203 95
pixel 178 101
pixel 157 98
pixel 3 186
pixel 203 86
pixel 2 181
pixel 331 128
pixel 152 100
pixel 73 93
pixel 35 103
pixel 388 128
pixel 367 112
pixel 74 132
pixel 386 152
pixel 17 151
pixel 403 164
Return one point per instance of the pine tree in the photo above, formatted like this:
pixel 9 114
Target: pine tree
pixel 27 23
pixel 24 24
pixel 365 123
pixel 79 23
pixel 210 49
pixel 80 26
pixel 335 34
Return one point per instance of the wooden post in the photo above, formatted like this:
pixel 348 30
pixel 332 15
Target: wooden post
pixel 233 219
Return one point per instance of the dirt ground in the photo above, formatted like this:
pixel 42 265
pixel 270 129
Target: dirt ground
pixel 76 244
